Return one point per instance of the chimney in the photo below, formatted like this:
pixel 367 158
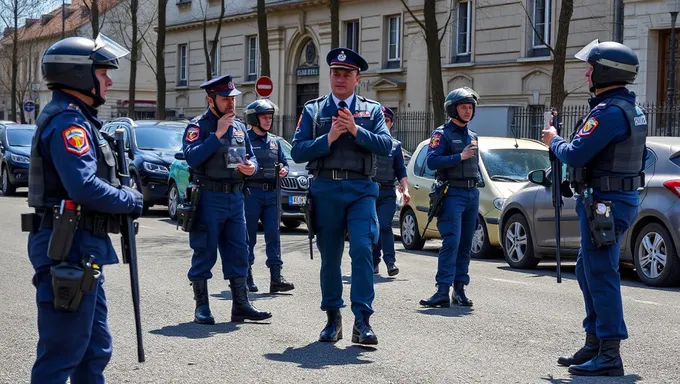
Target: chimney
pixel 44 19
pixel 30 22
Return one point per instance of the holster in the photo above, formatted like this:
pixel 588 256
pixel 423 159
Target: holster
pixel 309 215
pixel 70 282
pixel 601 219
pixel 187 213
pixel 64 228
pixel 436 195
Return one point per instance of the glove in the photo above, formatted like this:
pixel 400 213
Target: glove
pixel 138 198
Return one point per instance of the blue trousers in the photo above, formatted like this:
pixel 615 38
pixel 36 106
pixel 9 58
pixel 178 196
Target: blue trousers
pixel 71 344
pixel 261 205
pixel 597 273
pixel 221 224
pixel 386 205
pixel 457 224
pixel 340 205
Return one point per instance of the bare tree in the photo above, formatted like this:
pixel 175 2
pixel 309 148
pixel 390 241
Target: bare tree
pixel 210 52
pixel 264 37
pixel 433 41
pixel 160 60
pixel 335 23
pixel 134 5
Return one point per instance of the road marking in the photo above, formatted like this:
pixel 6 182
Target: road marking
pixel 648 302
pixel 508 281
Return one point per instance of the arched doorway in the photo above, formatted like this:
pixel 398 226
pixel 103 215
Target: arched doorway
pixel 306 75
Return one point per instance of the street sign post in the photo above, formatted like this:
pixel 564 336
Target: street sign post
pixel 264 86
pixel 29 106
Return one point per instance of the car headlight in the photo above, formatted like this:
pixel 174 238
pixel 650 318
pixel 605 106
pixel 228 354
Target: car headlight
pixel 19 159
pixel 498 203
pixel 156 168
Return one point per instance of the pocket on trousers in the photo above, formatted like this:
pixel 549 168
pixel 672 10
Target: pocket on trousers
pixel 374 230
pixel 43 285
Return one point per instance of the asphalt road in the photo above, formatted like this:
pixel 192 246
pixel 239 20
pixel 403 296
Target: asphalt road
pixel 520 323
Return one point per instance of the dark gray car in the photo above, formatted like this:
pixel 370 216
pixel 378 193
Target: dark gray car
pixel 527 222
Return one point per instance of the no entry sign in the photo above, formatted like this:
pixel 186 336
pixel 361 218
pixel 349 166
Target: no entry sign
pixel 264 86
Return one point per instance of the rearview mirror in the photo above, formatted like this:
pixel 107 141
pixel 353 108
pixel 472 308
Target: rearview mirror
pixel 538 177
pixel 179 155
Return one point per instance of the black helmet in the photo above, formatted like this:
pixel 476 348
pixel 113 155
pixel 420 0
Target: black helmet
pixel 462 95
pixel 256 108
pixel 70 64
pixel 613 63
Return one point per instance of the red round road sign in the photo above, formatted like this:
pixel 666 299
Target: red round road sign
pixel 264 86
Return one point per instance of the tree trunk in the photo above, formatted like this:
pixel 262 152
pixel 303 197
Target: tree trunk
pixel 434 61
pixel 160 61
pixel 335 24
pixel 264 37
pixel 557 92
pixel 94 10
pixel 15 62
pixel 133 58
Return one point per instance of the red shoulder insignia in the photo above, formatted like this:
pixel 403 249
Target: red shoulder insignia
pixel 75 140
pixel 588 127
pixel 297 128
pixel 193 134
pixel 435 140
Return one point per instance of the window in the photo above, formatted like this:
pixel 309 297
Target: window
pixel 540 32
pixel 420 161
pixel 513 164
pixel 252 58
pixel 215 58
pixel 393 41
pixel 463 28
pixel 352 35
pixel 182 56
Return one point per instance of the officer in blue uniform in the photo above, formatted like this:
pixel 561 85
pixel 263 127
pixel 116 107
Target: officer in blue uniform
pixel 605 159
pixel 72 166
pixel 220 156
pixel 261 203
pixel 390 168
pixel 452 153
pixel 339 135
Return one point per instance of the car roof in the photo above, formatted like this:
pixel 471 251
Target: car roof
pixel 493 142
pixel 20 126
pixel 158 123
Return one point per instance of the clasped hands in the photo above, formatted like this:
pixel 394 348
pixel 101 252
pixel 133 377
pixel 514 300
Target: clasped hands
pixel 342 123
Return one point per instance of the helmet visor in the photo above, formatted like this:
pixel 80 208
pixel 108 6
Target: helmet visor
pixel 109 48
pixel 585 51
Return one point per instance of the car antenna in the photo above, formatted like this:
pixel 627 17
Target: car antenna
pixel 514 134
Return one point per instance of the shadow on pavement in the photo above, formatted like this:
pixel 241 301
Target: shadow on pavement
pixel 377 279
pixel 192 330
pixel 252 296
pixel 627 379
pixel 320 355
pixel 453 311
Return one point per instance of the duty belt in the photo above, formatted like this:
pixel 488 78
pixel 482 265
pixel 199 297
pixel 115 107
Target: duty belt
pixel 387 185
pixel 338 174
pixel 217 186
pixel 265 186
pixel 614 183
pixel 463 183
pixel 98 223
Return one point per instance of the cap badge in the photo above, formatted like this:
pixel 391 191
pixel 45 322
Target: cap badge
pixel 342 56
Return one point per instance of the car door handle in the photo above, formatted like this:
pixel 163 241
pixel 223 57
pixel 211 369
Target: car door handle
pixel 416 186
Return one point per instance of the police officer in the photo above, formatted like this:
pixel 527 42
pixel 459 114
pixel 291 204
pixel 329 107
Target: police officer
pixel 390 168
pixel 262 203
pixel 339 135
pixel 605 159
pixel 73 165
pixel 452 153
pixel 219 153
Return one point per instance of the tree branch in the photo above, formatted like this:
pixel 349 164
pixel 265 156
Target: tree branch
pixel 446 25
pixel 531 22
pixel 413 16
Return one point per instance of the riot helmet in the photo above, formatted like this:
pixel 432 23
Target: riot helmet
pixel 257 108
pixel 458 96
pixel 613 63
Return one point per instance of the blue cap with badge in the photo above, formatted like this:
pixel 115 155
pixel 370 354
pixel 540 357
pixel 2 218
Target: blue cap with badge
pixel 222 85
pixel 346 58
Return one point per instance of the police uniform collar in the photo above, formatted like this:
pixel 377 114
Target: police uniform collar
pixel 75 103
pixel 595 100
pixel 348 100
pixel 455 126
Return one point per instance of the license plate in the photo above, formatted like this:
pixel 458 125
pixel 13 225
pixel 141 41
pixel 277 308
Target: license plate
pixel 297 200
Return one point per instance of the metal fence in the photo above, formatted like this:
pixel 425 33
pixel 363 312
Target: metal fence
pixel 527 122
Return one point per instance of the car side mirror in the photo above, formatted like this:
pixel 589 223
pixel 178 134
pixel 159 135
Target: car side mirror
pixel 538 176
pixel 179 155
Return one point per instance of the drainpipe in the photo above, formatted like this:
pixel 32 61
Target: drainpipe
pixel 618 21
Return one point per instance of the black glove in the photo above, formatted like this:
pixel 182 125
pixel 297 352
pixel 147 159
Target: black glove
pixel 138 199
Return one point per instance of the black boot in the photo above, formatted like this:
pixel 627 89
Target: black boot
pixel 362 333
pixel 241 308
pixel 459 297
pixel 587 352
pixel 392 269
pixel 607 363
pixel 376 269
pixel 333 330
pixel 278 283
pixel 251 283
pixel 440 298
pixel 202 313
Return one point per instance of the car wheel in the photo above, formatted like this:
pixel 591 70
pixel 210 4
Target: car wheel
pixel 7 188
pixel 518 247
pixel 291 224
pixel 136 183
pixel 410 234
pixel 481 248
pixel 173 201
pixel 656 259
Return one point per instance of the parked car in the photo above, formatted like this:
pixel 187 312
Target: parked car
pixel 650 244
pixel 153 144
pixel 293 187
pixel 15 152
pixel 504 165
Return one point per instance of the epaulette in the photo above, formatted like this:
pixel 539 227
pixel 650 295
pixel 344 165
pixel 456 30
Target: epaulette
pixel 73 107
pixel 366 100
pixel 322 98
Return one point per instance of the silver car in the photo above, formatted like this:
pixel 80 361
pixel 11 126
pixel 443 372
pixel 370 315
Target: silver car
pixel 527 222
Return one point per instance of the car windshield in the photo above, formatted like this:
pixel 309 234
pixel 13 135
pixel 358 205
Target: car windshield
pixel 160 138
pixel 20 137
pixel 513 164
pixel 286 149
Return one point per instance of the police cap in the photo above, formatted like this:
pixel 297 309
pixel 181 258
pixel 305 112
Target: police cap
pixel 222 85
pixel 346 58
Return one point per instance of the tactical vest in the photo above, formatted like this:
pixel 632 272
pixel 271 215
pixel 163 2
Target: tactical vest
pixel 267 156
pixel 466 169
pixel 385 170
pixel 44 185
pixel 220 166
pixel 617 162
pixel 345 154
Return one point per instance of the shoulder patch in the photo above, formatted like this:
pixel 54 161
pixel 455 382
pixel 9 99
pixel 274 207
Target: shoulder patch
pixel 297 127
pixel 435 140
pixel 75 140
pixel 193 133
pixel 588 127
